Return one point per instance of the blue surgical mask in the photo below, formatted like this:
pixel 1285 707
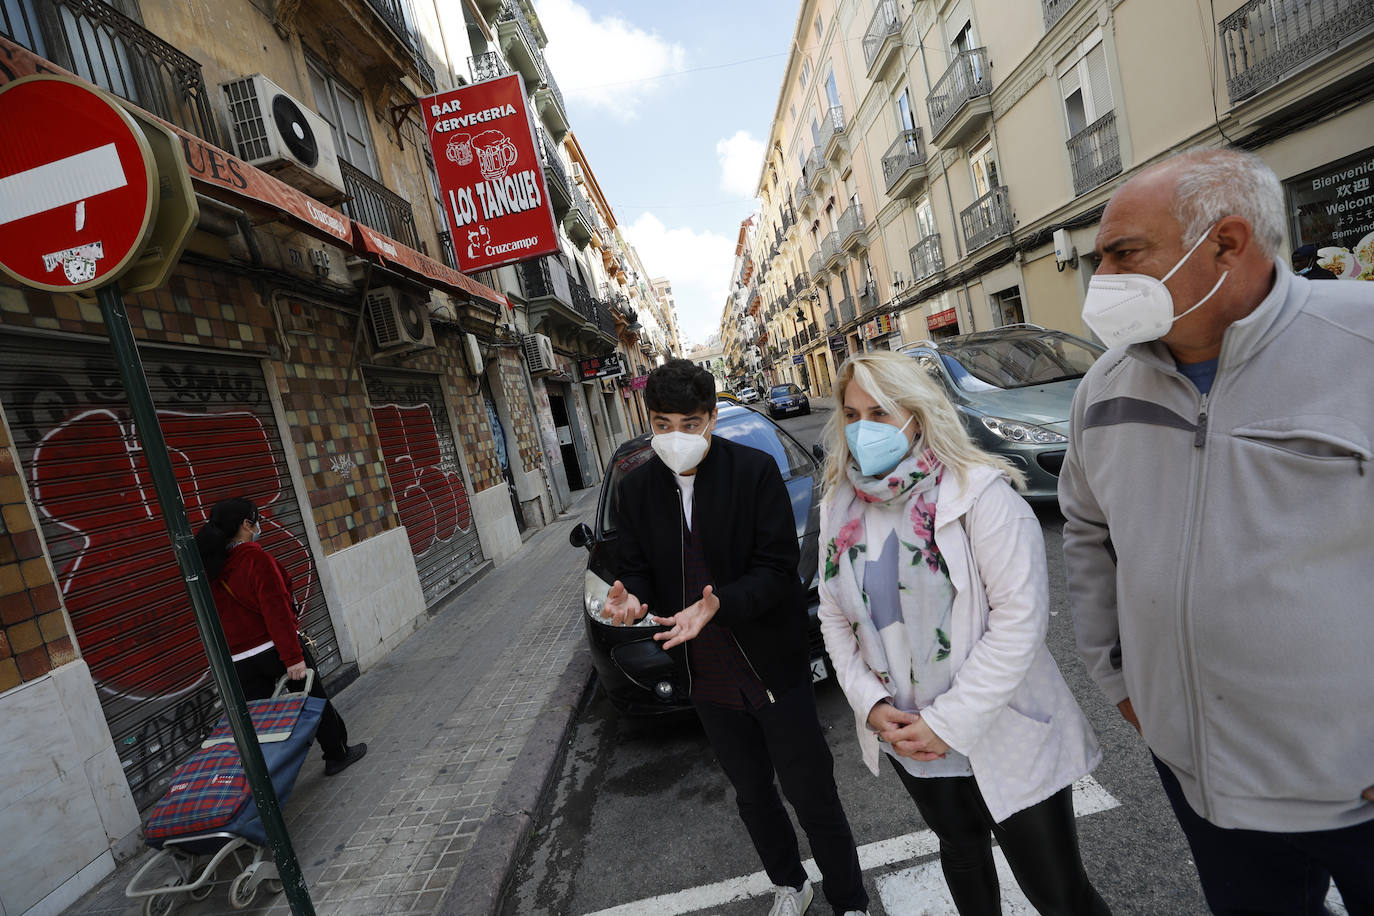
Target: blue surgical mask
pixel 877 447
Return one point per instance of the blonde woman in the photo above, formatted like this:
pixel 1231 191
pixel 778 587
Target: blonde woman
pixel 934 607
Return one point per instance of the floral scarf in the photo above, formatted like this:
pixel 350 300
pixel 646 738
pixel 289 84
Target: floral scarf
pixel 902 628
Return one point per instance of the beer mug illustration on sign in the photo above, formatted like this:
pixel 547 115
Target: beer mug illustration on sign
pixel 459 149
pixel 495 153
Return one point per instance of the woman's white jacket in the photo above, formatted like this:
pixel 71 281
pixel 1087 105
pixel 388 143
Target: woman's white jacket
pixel 1008 709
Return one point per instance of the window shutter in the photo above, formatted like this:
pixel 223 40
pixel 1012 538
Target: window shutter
pixel 1099 84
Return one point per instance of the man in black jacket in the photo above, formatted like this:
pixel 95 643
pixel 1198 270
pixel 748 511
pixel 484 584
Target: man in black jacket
pixel 708 544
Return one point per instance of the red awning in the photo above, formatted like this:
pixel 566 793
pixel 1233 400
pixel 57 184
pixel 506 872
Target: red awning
pixel 213 169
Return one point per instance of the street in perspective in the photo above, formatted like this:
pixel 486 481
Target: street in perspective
pixel 458 457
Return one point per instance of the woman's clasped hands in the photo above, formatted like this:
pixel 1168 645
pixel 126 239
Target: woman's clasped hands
pixel 906 732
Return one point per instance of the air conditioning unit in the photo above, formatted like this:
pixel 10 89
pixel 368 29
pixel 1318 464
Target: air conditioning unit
pixel 472 350
pixel 279 134
pixel 399 319
pixel 538 353
pixel 577 171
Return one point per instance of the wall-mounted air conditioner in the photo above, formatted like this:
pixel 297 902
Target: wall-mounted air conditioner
pixel 472 351
pixel 539 353
pixel 399 319
pixel 279 134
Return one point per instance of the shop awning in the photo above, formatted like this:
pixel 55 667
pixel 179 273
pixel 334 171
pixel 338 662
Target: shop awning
pixel 218 173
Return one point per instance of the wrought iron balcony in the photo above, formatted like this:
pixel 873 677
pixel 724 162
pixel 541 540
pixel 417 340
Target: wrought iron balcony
pixel 815 265
pixel 487 66
pixel 374 204
pixel 814 171
pixel 832 130
pixel 789 218
pixel 1054 10
pixel 551 86
pixel 1095 154
pixel 883 34
pixel 446 251
pixel 578 219
pixel 904 163
pixel 560 189
pixel 518 41
pixel 98 43
pixel 927 258
pixel 830 249
pixel 801 195
pixel 546 281
pixel 851 226
pixel 868 299
pixel 967 78
pixel 847 313
pixel 1266 40
pixel 988 218
pixel 389 11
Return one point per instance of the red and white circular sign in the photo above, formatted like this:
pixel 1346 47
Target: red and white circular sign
pixel 77 185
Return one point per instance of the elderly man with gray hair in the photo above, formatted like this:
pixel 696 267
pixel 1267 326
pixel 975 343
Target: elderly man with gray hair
pixel 1217 498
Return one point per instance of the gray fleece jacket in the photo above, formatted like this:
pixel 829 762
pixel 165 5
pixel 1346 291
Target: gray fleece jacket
pixel 1220 556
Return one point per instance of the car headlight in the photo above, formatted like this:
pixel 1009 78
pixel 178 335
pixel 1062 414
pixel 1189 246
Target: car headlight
pixel 594 591
pixel 1016 431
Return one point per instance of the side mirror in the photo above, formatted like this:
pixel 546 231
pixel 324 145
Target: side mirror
pixel 818 451
pixel 581 536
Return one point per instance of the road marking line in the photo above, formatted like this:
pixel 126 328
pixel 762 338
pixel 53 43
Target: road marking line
pixel 1088 798
pixel 64 181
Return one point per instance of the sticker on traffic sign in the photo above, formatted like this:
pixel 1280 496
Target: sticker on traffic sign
pixel 77 185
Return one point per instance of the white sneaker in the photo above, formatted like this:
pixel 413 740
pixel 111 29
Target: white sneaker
pixel 789 902
pixel 856 913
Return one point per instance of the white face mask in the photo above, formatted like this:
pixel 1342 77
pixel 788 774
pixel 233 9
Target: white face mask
pixel 680 451
pixel 1126 309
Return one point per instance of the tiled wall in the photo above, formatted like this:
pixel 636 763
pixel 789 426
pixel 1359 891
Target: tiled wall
pixel 517 396
pixel 33 630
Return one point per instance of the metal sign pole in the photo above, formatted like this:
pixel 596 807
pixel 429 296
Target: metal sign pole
pixel 198 587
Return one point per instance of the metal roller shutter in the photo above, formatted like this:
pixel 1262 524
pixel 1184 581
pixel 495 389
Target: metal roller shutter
pixel 421 456
pixel 82 460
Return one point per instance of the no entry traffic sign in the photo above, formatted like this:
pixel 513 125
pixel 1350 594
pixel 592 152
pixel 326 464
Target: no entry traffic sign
pixel 77 185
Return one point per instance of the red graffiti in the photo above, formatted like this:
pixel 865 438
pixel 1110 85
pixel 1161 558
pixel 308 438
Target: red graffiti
pixel 116 567
pixel 431 498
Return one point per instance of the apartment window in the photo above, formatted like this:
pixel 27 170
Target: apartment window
pixel 905 119
pixel 984 168
pixel 1006 307
pixel 820 32
pixel 815 130
pixel 793 111
pixel 925 219
pixel 844 284
pixel 806 72
pixel 832 92
pixel 1084 85
pixel 342 106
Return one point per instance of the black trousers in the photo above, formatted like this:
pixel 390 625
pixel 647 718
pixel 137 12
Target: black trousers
pixel 1256 871
pixel 1040 843
pixel 786 738
pixel 258 676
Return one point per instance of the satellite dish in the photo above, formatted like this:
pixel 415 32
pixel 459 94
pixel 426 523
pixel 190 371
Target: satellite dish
pixel 295 130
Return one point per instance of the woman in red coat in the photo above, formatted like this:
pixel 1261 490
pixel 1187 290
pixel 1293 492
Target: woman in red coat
pixel 253 596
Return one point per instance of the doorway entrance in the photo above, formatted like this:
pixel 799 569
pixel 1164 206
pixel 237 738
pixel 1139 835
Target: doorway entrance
pixel 562 425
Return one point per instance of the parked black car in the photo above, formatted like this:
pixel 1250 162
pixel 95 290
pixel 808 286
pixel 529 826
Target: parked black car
pixel 1013 387
pixel 636 673
pixel 787 399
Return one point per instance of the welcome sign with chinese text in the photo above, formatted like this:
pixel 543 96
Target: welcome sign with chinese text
pixel 490 174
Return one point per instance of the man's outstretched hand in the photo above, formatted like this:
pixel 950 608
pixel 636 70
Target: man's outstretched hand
pixel 687 623
pixel 622 607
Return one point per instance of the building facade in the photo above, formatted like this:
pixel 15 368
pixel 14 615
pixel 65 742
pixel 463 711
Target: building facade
pixel 937 167
pixel 315 349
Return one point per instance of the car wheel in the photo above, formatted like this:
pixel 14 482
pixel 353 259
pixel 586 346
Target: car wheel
pixel 806 411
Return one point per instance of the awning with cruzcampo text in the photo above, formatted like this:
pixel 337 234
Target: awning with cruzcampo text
pixel 220 174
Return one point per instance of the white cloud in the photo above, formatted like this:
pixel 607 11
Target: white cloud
pixel 698 264
pixel 741 158
pixel 607 63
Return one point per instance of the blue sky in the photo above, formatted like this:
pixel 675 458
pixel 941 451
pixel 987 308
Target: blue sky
pixel 677 153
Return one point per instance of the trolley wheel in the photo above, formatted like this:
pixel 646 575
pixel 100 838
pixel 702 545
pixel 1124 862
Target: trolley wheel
pixel 241 892
pixel 160 904
pixel 273 885
pixel 202 892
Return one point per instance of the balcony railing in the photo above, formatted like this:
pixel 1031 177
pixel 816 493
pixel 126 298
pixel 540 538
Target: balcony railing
pixel 1054 10
pixel 906 152
pixel 390 12
pixel 847 309
pixel 815 167
pixel 988 218
pixel 868 299
pixel 851 224
pixel 552 86
pixel 967 78
pixel 487 66
pixel 815 265
pixel 886 22
pixel 789 218
pixel 553 168
pixel 926 257
pixel 802 193
pixel 102 45
pixel 449 256
pixel 830 248
pixel 833 123
pixel 1265 40
pixel 546 278
pixel 1095 154
pixel 374 204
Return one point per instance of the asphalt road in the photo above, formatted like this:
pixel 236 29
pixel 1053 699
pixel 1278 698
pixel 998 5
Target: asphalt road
pixel 642 820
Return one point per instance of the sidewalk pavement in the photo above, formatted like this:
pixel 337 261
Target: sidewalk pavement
pixel 464 722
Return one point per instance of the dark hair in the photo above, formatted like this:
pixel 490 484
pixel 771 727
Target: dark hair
pixel 680 386
pixel 226 518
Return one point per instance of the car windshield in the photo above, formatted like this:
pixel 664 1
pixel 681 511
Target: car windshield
pixel 738 425
pixel 782 391
pixel 1017 361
